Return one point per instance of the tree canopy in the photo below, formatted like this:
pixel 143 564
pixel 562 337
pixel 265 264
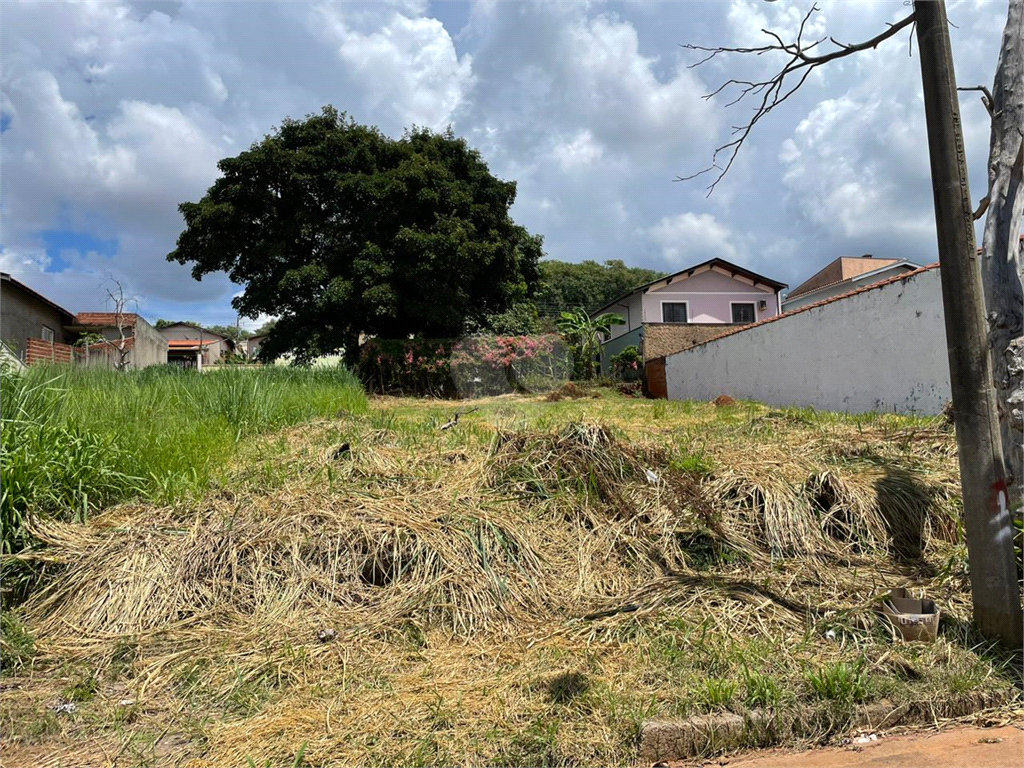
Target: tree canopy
pixel 339 230
pixel 588 285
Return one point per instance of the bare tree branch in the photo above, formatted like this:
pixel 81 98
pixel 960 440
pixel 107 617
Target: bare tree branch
pixel 774 91
pixel 986 97
pixel 982 207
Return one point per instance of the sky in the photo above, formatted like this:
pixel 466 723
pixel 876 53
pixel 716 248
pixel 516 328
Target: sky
pixel 114 112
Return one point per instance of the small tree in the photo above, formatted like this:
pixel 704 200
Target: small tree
pixel 122 347
pixel 86 341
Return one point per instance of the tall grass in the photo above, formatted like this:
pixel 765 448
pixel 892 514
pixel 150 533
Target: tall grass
pixel 78 438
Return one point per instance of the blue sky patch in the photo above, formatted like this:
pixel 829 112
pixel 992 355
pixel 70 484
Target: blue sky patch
pixel 57 241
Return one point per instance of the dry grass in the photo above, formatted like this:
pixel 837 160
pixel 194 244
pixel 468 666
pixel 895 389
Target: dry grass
pixel 516 590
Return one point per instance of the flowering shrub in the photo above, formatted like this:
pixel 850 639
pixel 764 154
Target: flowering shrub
pixel 493 365
pixel 471 367
pixel 628 365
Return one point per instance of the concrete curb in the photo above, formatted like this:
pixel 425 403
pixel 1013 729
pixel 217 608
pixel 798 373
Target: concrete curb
pixel 680 739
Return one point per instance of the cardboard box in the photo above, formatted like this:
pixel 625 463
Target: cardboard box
pixel 914 619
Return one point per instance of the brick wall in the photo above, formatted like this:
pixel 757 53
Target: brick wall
pixel 654 375
pixel 661 339
pixel 39 351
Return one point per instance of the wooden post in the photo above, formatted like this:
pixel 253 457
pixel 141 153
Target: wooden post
pixel 997 610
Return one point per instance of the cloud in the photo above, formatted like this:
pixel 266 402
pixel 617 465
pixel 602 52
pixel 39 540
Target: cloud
pixel 113 113
pixel 690 238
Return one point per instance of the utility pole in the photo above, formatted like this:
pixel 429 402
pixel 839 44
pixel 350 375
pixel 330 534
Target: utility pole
pixel 997 608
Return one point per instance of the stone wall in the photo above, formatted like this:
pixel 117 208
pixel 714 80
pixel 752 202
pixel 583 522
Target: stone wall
pixel 661 339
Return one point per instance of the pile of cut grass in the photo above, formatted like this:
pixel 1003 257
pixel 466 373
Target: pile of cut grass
pixel 525 588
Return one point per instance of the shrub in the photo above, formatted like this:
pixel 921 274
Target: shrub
pixel 628 365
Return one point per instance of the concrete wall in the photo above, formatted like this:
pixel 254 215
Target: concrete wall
pixel 883 349
pixel 844 287
pixel 22 317
pixel 708 296
pixel 150 346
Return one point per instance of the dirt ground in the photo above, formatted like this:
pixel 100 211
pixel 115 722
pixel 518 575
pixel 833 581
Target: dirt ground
pixel 959 748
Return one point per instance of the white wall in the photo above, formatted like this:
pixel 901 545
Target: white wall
pixel 880 350
pixel 631 310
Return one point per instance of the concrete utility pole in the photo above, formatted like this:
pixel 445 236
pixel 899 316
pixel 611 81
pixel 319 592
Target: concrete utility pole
pixel 997 609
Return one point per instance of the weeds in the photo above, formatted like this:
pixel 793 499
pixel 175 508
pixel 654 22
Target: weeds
pixel 762 690
pixel 17 647
pixel 75 440
pixel 718 693
pixel 840 682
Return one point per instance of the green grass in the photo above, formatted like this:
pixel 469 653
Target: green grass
pixel 842 682
pixel 78 439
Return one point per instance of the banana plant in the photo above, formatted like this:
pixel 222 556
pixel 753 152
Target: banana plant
pixel 584 334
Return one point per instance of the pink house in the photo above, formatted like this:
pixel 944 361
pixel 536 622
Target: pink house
pixel 684 308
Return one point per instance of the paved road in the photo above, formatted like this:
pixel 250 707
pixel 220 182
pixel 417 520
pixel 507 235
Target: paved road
pixel 958 748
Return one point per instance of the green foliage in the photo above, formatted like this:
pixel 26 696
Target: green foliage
pixel 50 465
pixel 583 334
pixel 82 689
pixel 337 229
pixel 842 682
pixel 76 439
pixel 17 647
pixel 628 364
pixel 718 692
pixel 588 284
pixel 520 319
pixel 761 690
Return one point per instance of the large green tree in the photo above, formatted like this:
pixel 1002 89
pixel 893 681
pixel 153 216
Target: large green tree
pixel 587 284
pixel 338 230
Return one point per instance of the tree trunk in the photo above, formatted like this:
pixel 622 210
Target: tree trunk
pixel 351 351
pixel 1003 252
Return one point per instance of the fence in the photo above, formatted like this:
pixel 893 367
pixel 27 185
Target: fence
pixel 41 351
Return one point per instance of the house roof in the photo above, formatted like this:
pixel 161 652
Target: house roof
pixel 188 343
pixel 104 319
pixel 733 269
pixel 822 303
pixel 842 269
pixel 198 328
pixel 7 278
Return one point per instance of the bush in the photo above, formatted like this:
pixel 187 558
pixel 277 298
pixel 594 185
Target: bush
pixel 628 365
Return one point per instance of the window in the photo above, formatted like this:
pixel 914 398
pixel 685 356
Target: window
pixel 47 334
pixel 673 312
pixel 743 313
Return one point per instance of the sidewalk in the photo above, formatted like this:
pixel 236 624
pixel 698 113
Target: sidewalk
pixel 958 748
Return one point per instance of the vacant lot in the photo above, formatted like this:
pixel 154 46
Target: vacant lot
pixel 524 587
